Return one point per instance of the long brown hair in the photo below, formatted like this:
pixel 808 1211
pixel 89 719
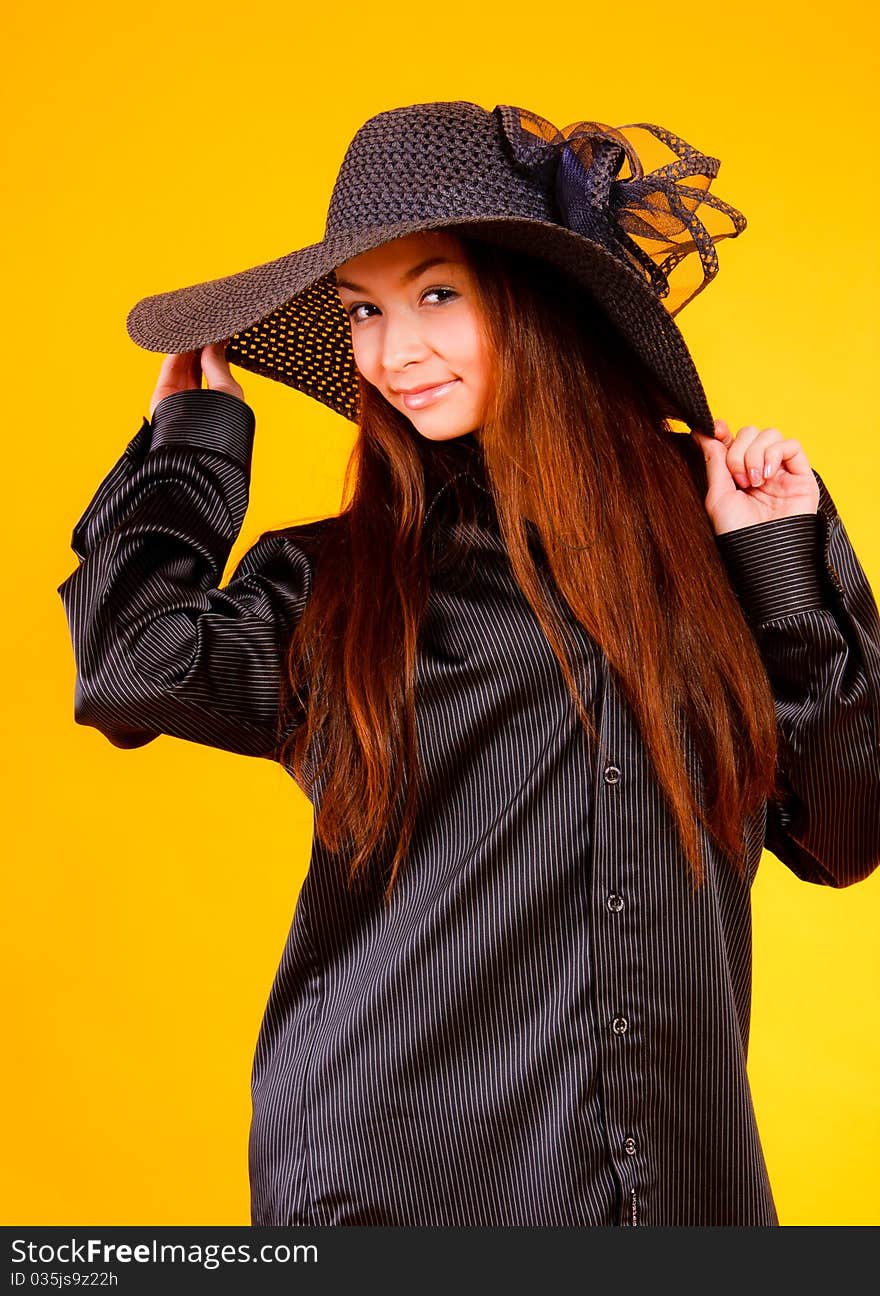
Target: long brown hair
pixel 587 461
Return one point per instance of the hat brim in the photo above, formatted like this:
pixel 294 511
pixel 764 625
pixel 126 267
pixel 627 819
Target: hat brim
pixel 285 321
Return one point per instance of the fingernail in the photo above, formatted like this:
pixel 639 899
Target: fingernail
pixel 755 475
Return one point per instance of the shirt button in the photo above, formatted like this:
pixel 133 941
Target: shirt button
pixel 629 1146
pixel 612 774
pixel 619 1025
pixel 615 902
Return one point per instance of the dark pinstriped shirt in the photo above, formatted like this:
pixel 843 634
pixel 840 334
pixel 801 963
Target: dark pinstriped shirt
pixel 547 1026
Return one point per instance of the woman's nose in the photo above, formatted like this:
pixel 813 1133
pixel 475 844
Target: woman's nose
pixel 402 342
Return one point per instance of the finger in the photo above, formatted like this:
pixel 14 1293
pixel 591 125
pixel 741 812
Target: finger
pixel 167 365
pixel 217 371
pixel 179 371
pixel 756 451
pixel 788 454
pixel 723 432
pixel 188 370
pixel 737 452
pixel 213 359
pixel 717 475
pixel 182 359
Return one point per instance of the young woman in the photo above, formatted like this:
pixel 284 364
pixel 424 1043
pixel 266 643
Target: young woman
pixel 552 679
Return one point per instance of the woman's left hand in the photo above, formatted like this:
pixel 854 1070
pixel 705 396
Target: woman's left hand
pixel 773 472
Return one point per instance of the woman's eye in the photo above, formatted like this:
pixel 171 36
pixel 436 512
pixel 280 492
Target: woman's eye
pixel 358 306
pixel 445 295
pixel 449 292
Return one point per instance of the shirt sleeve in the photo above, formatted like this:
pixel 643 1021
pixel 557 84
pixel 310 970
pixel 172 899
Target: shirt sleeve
pixel 159 647
pixel 815 619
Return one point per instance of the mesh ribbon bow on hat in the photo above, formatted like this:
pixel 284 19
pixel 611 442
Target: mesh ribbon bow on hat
pixel 649 218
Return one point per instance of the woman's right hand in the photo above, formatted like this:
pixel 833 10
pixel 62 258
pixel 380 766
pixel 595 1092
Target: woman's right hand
pixel 183 372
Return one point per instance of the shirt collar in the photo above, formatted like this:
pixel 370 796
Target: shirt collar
pixel 452 470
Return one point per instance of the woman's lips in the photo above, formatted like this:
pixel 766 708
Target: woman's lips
pixel 427 397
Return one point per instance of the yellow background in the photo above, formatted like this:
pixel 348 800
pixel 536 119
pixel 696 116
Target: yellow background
pixel 150 891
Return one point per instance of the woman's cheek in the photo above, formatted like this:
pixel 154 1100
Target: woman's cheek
pixel 365 356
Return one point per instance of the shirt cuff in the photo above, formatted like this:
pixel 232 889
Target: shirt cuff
pixel 776 567
pixel 206 419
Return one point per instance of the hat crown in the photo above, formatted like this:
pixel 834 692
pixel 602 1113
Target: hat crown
pixel 433 161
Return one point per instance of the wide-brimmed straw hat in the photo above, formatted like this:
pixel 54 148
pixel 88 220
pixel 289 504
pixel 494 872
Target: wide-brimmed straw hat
pixel 508 177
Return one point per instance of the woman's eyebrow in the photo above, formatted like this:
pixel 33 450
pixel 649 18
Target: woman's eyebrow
pixel 407 276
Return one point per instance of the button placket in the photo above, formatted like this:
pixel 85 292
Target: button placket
pixel 611 880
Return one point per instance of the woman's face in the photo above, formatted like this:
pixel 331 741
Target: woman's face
pixel 417 325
